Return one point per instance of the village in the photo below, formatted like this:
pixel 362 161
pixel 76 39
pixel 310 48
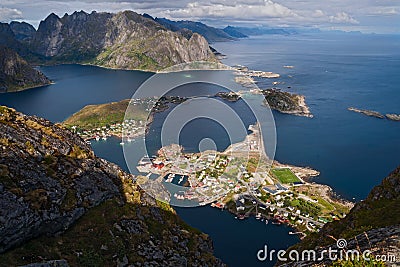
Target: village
pixel 243 181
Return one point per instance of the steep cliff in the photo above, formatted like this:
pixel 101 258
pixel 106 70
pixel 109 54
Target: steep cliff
pixel 123 40
pixel 16 74
pixel 59 201
pixel 23 31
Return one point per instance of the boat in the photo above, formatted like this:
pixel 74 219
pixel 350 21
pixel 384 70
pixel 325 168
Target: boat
pixel 266 221
pixel 171 176
pixel 277 223
pixel 295 233
pixel 97 138
pixel 122 143
pixel 129 140
pixel 104 138
pixel 241 217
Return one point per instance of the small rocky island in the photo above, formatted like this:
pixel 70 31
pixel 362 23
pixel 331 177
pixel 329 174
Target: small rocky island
pixel 286 102
pixel 393 117
pixel 376 114
pixel 229 96
pixel 370 113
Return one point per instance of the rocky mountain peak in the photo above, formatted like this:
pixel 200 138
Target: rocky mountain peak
pixel 124 40
pixel 23 31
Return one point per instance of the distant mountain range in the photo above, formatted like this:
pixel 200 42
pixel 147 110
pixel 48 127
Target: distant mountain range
pixel 212 34
pixel 124 40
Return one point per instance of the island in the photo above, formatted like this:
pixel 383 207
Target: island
pixel 286 102
pixel 370 113
pixel 245 76
pixel 393 117
pixel 376 114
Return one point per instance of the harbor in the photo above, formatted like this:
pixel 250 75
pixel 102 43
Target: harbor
pixel 243 181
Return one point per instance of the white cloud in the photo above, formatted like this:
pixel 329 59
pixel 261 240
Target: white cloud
pixel 343 17
pixel 238 10
pixel 318 13
pixel 386 11
pixel 7 14
pixel 323 14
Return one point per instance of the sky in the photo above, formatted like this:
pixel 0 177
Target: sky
pixel 379 16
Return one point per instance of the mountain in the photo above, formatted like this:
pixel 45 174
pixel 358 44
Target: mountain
pixel 16 74
pixel 210 33
pixel 8 39
pixel 60 205
pixel 250 31
pixel 232 31
pixel 125 40
pixel 23 31
pixel 372 224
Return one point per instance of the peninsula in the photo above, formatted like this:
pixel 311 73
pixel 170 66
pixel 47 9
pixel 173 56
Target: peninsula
pixel 244 181
pixel 16 74
pixel 240 179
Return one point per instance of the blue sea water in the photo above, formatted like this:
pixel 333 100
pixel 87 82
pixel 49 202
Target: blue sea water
pixel 353 152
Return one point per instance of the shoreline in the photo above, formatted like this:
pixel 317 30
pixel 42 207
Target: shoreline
pixel 31 87
pixel 242 191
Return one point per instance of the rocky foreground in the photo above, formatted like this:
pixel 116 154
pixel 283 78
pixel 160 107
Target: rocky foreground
pixel 58 201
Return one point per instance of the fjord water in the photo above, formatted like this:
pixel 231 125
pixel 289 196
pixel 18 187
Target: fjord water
pixel 352 151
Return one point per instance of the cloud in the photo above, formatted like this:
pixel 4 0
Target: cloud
pixel 7 14
pixel 343 17
pixel 385 11
pixel 233 10
pixel 326 14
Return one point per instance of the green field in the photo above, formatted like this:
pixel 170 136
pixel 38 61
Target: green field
pixel 285 176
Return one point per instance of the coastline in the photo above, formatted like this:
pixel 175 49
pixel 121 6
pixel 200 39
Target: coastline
pixel 27 88
pixel 223 184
